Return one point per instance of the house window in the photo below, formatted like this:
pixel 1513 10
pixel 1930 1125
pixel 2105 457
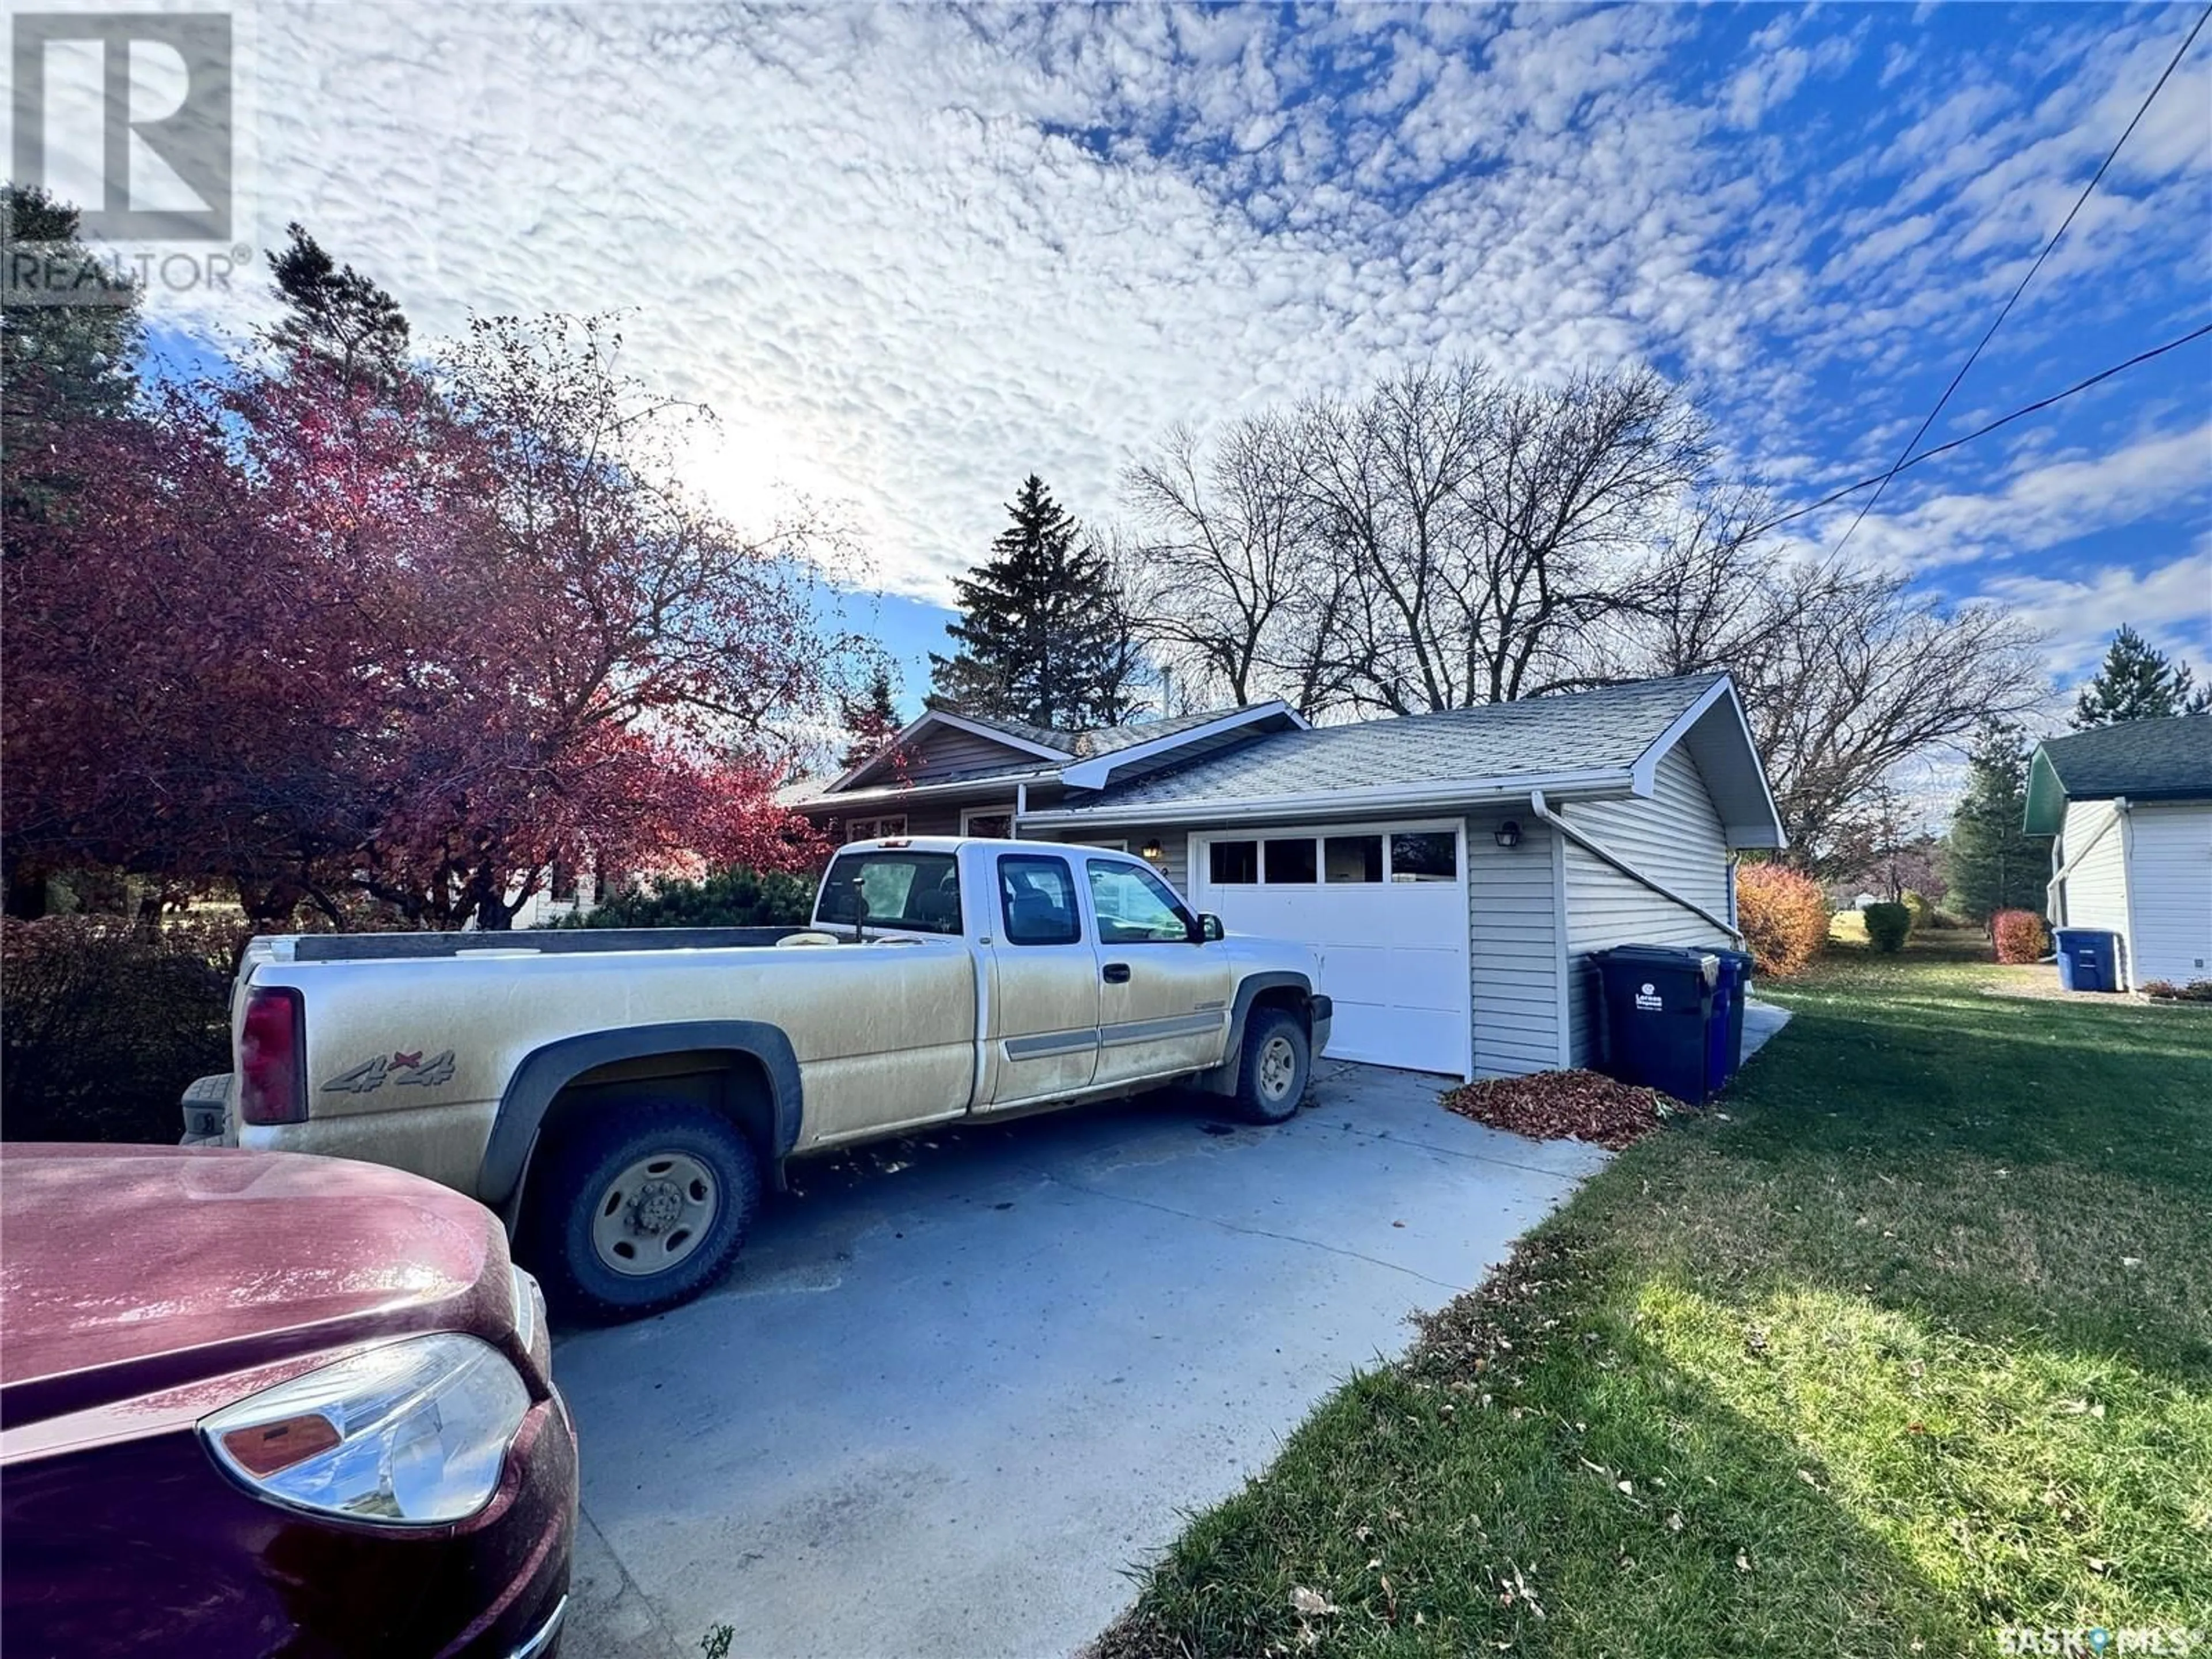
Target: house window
pixel 1352 859
pixel 1233 863
pixel 989 823
pixel 875 828
pixel 1424 855
pixel 1036 900
pixel 1292 863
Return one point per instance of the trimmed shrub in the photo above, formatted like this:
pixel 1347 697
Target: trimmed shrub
pixel 1888 925
pixel 1784 915
pixel 2020 936
pixel 727 898
pixel 1923 909
pixel 104 1022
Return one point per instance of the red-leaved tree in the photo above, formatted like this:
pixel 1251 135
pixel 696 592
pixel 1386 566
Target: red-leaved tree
pixel 409 634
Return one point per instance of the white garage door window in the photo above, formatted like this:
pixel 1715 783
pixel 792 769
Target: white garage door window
pixel 1384 904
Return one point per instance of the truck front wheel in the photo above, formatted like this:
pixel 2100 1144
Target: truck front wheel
pixel 1278 1060
pixel 641 1207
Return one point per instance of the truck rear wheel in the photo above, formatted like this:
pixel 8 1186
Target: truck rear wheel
pixel 1277 1063
pixel 641 1207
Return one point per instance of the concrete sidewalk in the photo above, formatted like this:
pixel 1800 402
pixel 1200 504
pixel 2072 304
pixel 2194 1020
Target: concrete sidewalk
pixel 1762 1021
pixel 958 1385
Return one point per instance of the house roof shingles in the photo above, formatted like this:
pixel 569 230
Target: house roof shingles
pixel 2170 758
pixel 815 792
pixel 1103 739
pixel 1606 729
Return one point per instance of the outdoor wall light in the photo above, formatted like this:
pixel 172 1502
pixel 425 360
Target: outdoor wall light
pixel 1509 834
pixel 1151 852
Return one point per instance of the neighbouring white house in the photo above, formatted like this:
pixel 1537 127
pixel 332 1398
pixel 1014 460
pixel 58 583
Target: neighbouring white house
pixel 2131 807
pixel 1456 870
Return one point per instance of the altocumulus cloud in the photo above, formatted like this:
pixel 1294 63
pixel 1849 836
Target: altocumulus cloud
pixel 910 254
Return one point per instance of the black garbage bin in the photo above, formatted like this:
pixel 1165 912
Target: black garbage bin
pixel 1657 1006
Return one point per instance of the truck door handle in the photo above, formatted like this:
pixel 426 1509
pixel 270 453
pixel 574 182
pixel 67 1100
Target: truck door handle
pixel 1116 973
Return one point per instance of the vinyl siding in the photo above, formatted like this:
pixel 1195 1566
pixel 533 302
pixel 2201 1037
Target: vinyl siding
pixel 2094 893
pixel 1515 951
pixel 946 750
pixel 1676 838
pixel 1535 911
pixel 2169 875
pixel 1175 844
pixel 923 817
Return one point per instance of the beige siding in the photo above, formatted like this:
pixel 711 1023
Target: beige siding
pixel 923 817
pixel 2095 892
pixel 1674 837
pixel 1175 846
pixel 1515 951
pixel 2169 876
pixel 946 750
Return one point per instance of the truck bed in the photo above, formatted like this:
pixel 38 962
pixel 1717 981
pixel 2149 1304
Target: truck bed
pixel 546 941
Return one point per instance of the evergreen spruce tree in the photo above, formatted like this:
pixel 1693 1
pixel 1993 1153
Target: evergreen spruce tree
pixel 336 316
pixel 1991 863
pixel 870 719
pixel 58 363
pixel 1042 635
pixel 2138 681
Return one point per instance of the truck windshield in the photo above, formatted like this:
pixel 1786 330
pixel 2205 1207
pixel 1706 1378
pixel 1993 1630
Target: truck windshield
pixel 910 892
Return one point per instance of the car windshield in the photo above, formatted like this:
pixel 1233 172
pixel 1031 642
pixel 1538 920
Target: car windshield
pixel 912 892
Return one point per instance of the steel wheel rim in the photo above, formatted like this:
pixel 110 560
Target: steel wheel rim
pixel 655 1214
pixel 1278 1066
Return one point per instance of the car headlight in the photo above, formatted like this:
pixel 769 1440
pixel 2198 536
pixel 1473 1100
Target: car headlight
pixel 411 1434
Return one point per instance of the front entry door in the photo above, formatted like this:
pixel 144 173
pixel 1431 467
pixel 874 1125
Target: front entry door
pixel 1162 1000
pixel 1044 983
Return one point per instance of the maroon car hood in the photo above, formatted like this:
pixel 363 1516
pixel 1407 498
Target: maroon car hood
pixel 128 1269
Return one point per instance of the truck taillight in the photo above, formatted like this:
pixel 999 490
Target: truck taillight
pixel 272 1057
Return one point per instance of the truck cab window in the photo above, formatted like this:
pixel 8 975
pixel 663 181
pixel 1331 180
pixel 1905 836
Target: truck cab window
pixel 902 892
pixel 1135 907
pixel 1036 900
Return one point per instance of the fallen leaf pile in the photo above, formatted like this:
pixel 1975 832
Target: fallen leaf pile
pixel 1556 1105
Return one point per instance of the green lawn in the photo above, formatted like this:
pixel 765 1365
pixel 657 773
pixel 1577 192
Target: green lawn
pixel 1910 1341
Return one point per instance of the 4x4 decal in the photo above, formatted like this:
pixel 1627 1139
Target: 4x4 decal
pixel 401 1069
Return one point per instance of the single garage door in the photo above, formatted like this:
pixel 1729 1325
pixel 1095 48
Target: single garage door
pixel 1384 904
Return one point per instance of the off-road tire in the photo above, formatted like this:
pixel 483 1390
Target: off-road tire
pixel 568 1180
pixel 1272 1037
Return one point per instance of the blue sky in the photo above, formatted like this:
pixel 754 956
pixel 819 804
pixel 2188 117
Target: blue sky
pixel 911 255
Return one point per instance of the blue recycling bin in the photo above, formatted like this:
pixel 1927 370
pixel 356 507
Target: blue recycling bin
pixel 1656 1003
pixel 2088 959
pixel 1724 1035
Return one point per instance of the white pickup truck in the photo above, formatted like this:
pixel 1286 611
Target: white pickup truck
pixel 618 1095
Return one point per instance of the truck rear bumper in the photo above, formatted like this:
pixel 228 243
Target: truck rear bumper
pixel 1323 1014
pixel 206 1106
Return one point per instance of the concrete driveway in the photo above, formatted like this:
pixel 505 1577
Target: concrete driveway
pixel 958 1386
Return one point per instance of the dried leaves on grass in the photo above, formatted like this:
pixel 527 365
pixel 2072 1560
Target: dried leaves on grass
pixel 1555 1105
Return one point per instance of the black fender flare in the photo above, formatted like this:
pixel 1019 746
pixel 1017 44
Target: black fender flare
pixel 1222 1080
pixel 539 1079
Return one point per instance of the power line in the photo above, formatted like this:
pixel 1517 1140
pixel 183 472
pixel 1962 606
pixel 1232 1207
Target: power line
pixel 2101 375
pixel 2103 167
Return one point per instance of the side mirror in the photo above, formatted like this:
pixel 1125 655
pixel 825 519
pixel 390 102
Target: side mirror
pixel 1209 928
